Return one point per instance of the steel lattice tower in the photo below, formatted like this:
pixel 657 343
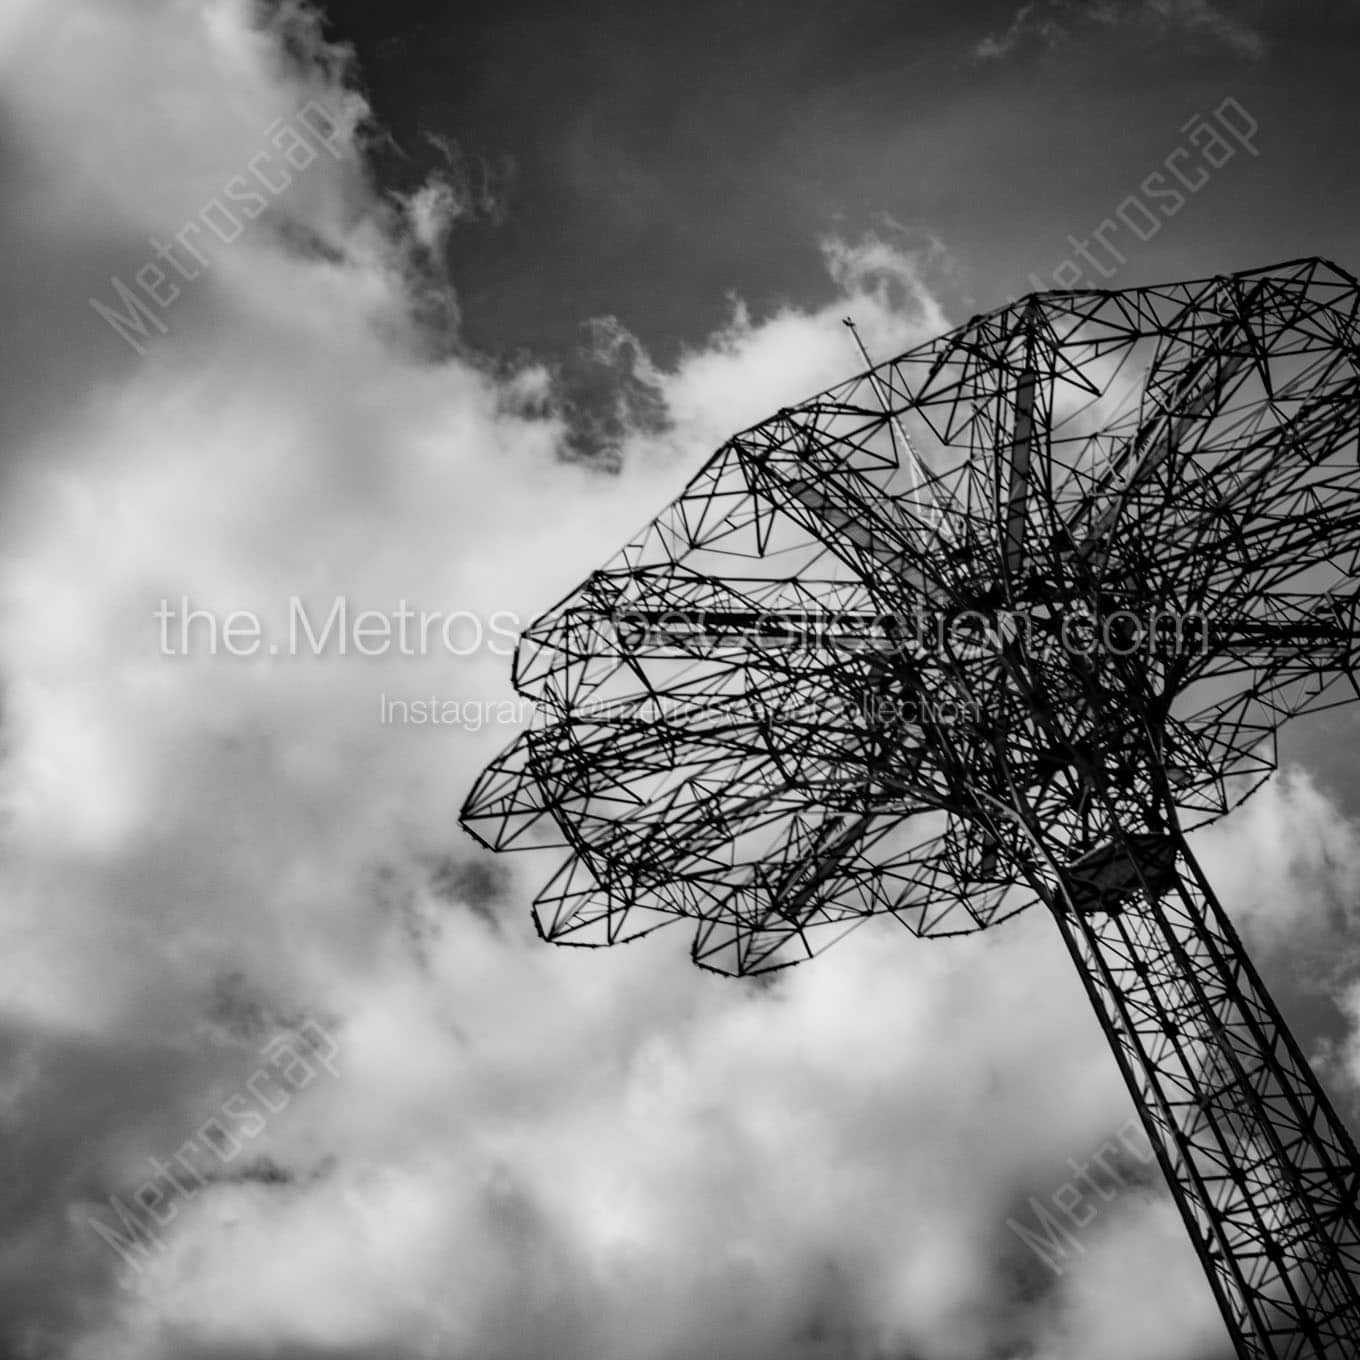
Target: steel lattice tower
pixel 998 622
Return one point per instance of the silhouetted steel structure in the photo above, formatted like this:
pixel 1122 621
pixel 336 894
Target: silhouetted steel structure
pixel 999 621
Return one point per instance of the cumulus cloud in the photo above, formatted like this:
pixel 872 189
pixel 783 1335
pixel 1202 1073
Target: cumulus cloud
pixel 521 1152
pixel 1289 864
pixel 466 189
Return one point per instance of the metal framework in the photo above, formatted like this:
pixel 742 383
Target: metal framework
pixel 998 622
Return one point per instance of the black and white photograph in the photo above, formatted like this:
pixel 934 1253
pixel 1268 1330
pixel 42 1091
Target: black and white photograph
pixel 679 682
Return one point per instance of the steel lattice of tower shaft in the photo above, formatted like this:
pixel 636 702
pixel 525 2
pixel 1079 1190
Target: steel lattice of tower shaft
pixel 1266 1174
pixel 999 622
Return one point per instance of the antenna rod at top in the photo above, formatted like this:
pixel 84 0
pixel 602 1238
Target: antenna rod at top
pixel 849 323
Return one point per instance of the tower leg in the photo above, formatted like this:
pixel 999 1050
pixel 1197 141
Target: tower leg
pixel 1264 1172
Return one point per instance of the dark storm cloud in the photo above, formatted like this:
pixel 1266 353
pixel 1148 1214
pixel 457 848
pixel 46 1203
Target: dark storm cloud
pixel 780 122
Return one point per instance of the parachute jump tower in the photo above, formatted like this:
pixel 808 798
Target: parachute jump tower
pixel 995 623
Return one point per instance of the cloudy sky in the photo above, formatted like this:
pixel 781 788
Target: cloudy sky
pixel 437 304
